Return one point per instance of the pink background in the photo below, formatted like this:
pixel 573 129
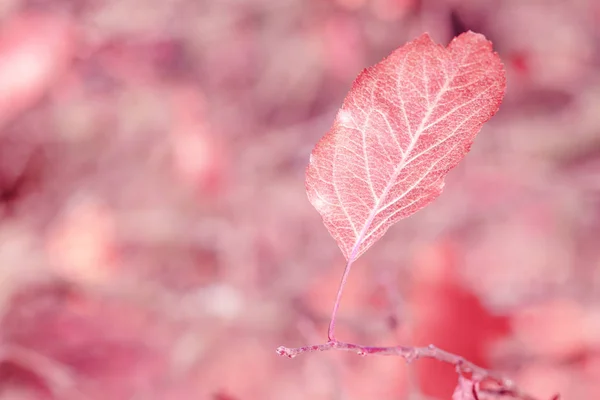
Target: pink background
pixel 156 241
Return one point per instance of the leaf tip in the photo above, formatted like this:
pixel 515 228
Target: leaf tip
pixel 472 38
pixel 478 42
pixel 425 38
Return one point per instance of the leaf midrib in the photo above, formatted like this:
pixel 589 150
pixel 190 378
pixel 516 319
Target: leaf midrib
pixel 359 240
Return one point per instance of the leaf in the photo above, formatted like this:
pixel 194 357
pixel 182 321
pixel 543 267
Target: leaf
pixel 465 390
pixel 405 123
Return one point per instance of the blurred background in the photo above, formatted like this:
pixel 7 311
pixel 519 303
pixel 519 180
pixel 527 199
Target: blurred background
pixel 156 241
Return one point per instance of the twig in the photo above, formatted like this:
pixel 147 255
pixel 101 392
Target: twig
pixel 463 367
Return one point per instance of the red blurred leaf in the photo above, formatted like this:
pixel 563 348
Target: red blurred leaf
pixel 406 122
pixel 448 314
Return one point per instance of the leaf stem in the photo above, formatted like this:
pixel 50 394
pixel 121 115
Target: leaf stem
pixel 338 299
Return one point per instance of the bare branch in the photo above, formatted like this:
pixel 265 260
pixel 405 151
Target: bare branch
pixel 501 385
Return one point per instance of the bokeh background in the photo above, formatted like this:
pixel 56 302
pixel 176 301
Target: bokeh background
pixel 156 241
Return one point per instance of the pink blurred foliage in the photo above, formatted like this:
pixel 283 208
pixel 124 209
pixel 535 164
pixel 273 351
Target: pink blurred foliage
pixel 155 237
pixel 35 50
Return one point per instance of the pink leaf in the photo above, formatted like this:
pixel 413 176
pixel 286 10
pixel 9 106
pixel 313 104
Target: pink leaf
pixel 406 122
pixel 465 390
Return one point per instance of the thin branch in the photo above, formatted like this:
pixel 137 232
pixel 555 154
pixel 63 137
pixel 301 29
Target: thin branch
pixel 503 386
